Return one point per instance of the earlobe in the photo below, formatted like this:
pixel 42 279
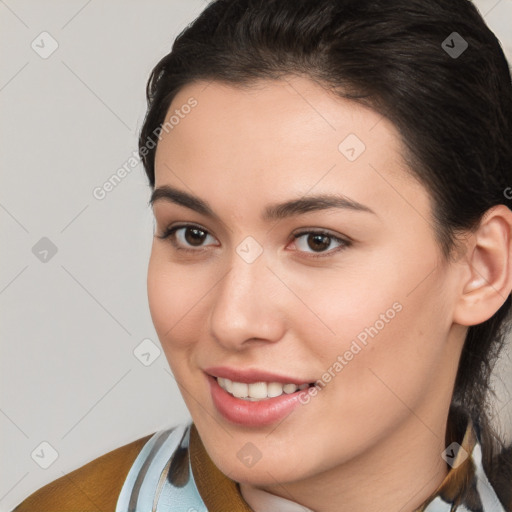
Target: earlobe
pixel 488 263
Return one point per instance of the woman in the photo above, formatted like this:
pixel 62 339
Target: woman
pixel 331 271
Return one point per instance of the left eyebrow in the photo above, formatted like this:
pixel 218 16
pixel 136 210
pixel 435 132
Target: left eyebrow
pixel 311 203
pixel 272 212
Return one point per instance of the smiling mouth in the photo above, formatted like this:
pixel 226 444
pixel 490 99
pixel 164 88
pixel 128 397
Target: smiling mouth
pixel 256 391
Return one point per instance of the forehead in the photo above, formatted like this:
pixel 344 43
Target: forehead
pixel 281 138
pixel 294 112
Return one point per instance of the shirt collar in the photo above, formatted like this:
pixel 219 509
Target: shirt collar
pixel 466 486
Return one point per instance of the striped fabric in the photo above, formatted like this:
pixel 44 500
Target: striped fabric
pixel 161 477
pixel 174 473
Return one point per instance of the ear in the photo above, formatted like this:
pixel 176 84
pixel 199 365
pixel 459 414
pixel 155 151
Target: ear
pixel 487 277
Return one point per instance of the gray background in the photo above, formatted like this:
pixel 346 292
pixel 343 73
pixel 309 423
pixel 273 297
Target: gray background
pixel 71 323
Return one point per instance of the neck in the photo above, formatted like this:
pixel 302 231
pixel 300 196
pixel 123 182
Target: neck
pixel 398 474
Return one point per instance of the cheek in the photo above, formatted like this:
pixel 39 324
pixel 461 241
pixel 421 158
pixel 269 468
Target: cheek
pixel 378 323
pixel 389 357
pixel 161 297
pixel 340 305
pixel 171 298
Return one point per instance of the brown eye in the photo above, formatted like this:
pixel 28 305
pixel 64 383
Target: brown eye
pixel 319 242
pixel 194 236
pixel 186 237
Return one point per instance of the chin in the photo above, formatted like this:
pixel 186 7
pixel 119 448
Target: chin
pixel 260 475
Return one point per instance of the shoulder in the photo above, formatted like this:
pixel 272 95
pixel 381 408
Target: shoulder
pixel 92 487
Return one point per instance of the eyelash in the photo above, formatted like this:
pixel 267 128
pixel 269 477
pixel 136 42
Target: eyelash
pixel 169 233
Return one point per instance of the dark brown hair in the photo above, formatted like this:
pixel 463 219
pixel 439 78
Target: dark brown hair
pixel 454 112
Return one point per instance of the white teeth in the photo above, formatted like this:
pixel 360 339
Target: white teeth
pixel 240 389
pixel 228 385
pixel 274 389
pixel 258 390
pixel 289 388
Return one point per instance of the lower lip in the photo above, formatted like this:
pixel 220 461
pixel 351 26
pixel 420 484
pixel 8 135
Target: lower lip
pixel 253 414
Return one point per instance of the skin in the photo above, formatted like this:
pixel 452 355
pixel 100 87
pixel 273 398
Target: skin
pixel 372 437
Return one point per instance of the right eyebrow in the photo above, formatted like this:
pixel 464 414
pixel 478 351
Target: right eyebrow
pixel 174 195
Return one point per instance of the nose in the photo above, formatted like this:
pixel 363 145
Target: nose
pixel 246 306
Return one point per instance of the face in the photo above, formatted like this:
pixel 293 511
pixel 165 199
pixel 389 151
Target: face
pixel 343 285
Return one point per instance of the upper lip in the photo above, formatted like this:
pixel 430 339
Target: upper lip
pixel 252 375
